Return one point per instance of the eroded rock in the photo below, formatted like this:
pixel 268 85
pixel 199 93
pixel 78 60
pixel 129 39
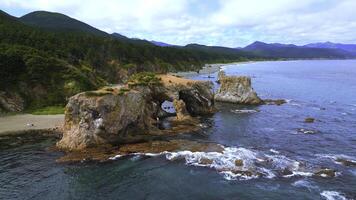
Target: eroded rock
pixel 181 110
pixel 237 89
pixel 129 113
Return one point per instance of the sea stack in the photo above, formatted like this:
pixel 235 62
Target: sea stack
pixel 236 89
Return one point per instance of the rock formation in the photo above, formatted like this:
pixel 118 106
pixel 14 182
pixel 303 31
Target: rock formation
pixel 237 89
pixel 128 113
pixel 11 102
pixel 181 110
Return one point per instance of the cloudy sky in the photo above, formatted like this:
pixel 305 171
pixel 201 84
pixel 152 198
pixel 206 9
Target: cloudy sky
pixel 230 23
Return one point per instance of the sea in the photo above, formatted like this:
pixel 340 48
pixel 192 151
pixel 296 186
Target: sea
pixel 281 153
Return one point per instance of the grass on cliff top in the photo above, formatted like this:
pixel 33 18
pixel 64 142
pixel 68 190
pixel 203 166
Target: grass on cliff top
pixel 144 79
pixel 49 110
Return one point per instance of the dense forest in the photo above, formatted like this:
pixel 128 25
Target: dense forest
pixel 47 57
pixel 46 65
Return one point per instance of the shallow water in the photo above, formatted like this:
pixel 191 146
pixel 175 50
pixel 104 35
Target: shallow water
pixel 324 90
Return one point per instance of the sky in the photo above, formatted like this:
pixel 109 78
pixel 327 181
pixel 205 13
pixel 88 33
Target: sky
pixel 231 23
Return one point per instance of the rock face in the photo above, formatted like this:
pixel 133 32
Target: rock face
pixel 128 113
pixel 11 102
pixel 181 110
pixel 237 89
pixel 90 121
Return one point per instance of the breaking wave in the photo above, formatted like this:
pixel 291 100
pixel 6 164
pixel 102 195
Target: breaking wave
pixel 332 195
pixel 240 163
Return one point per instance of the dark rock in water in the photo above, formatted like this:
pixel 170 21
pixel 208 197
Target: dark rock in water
pixel 309 120
pixel 205 161
pixel 277 102
pixel 286 172
pixel 326 173
pixel 239 162
pixel 243 173
pixel 348 163
pixel 237 89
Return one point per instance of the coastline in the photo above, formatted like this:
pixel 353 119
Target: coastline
pixel 208 69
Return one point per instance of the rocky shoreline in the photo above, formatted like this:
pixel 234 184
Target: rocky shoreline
pixel 99 124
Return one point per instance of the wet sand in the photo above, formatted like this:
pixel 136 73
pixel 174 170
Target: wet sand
pixel 20 123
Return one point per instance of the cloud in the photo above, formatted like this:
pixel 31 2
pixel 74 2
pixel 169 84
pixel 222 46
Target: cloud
pixel 211 22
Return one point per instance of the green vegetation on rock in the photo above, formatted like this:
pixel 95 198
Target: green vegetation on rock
pixel 144 79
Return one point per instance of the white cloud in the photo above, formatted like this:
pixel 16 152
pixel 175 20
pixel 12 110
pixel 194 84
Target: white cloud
pixel 213 22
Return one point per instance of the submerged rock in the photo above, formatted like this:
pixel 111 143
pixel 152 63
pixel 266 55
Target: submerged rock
pixel 129 113
pixel 309 120
pixel 237 89
pixel 205 161
pixel 277 102
pixel 326 173
pixel 239 162
pixel 346 162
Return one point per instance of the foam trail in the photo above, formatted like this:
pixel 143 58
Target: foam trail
pixel 332 195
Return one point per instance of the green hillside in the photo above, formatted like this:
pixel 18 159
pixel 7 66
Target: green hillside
pixel 52 57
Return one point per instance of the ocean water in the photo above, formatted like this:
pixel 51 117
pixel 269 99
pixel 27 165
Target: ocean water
pixel 269 139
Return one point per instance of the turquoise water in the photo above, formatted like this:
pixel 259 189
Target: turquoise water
pixel 324 90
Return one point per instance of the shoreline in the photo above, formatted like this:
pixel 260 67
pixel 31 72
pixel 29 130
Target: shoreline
pixel 208 69
pixel 213 68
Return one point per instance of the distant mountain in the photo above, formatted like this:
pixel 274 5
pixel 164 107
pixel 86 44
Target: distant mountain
pixel 290 51
pixel 161 44
pixel 222 50
pixel 329 45
pixel 58 22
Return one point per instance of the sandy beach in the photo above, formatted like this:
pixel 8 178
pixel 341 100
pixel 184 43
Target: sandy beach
pixel 208 69
pixel 22 122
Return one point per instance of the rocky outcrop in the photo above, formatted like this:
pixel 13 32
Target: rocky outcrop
pixel 11 102
pixel 181 110
pixel 129 113
pixel 92 120
pixel 237 89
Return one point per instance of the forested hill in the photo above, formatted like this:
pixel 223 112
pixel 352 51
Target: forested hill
pixel 58 22
pixel 44 65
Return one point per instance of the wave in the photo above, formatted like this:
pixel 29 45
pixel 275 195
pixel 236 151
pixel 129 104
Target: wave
pixel 305 184
pixel 240 163
pixel 332 195
pixel 244 111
